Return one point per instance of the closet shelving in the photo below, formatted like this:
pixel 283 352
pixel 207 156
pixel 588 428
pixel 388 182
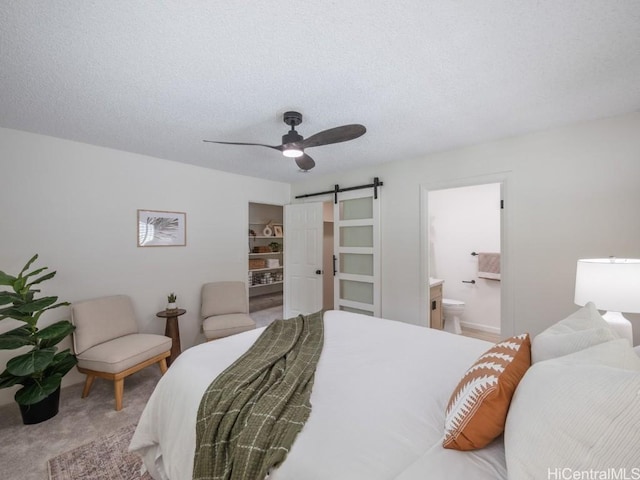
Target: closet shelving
pixel 266 267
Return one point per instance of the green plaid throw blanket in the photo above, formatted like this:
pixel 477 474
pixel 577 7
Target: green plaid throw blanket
pixel 251 413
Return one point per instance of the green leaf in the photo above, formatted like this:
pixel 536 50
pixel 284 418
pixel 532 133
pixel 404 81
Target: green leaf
pixel 35 272
pixel 61 304
pixel 9 297
pixel 61 364
pixel 36 392
pixel 23 332
pixel 37 305
pixel 7 380
pixel 31 362
pixel 12 312
pixel 26 267
pixel 6 279
pixel 11 342
pixel 42 278
pixel 19 284
pixel 53 334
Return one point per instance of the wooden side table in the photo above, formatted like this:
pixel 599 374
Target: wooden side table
pixel 172 330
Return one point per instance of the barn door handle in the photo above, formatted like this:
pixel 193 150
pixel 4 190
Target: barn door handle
pixel 469 281
pixel 334 265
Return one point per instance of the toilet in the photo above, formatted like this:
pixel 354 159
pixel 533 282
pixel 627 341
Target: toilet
pixel 453 310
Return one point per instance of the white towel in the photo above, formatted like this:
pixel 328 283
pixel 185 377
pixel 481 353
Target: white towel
pixel 489 265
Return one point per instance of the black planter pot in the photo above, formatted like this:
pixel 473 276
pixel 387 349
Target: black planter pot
pixel 41 411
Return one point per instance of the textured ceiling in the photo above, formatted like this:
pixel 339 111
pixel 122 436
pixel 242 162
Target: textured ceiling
pixel 157 78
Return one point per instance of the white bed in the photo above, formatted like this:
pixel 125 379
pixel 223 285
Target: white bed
pixel 379 400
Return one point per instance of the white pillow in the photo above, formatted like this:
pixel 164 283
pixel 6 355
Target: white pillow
pixel 578 412
pixel 616 354
pixel 578 331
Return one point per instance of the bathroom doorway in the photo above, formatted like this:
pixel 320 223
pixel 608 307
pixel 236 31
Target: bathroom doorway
pixel 462 251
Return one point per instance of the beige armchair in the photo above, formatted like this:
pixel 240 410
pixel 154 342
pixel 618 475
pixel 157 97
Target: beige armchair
pixel 225 309
pixel 107 343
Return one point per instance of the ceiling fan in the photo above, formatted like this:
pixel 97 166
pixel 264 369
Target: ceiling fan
pixel 294 144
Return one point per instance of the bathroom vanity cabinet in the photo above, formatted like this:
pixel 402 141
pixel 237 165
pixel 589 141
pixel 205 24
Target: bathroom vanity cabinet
pixel 435 308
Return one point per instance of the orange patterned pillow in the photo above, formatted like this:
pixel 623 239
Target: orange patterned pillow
pixel 478 407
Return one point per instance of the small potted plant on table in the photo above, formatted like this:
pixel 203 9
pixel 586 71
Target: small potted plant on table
pixel 171 302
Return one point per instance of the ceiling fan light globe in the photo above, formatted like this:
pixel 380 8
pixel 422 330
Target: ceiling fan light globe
pixel 292 152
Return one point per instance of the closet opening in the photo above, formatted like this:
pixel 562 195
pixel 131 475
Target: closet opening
pixel 266 263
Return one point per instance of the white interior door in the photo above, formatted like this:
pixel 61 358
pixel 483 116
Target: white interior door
pixel 302 259
pixel 357 251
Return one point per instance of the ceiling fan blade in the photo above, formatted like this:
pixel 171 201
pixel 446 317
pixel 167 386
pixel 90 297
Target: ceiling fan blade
pixel 305 162
pixel 334 135
pixel 279 147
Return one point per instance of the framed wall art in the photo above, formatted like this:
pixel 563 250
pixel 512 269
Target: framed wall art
pixel 277 230
pixel 158 228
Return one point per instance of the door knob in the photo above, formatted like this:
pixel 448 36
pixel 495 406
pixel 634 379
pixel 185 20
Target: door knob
pixel 318 272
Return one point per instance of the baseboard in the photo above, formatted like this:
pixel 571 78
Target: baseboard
pixel 480 328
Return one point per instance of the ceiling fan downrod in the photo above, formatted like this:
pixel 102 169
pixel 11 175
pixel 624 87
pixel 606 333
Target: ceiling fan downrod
pixel 291 140
pixel 293 119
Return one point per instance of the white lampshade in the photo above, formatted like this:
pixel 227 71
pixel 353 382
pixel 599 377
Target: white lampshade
pixel 610 283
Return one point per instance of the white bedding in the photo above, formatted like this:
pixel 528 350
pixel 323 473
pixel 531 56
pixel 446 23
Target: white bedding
pixel 379 399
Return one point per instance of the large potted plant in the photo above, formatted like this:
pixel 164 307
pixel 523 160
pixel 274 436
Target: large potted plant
pixel 41 368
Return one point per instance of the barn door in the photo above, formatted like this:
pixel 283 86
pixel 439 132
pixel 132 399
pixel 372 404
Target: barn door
pixel 357 252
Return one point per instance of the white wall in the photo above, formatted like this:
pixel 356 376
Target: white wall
pixel 572 193
pixel 75 205
pixel 464 220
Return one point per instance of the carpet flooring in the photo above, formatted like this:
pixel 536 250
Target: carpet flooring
pixel 25 449
pixel 263 302
pixel 106 458
pixel 266 316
